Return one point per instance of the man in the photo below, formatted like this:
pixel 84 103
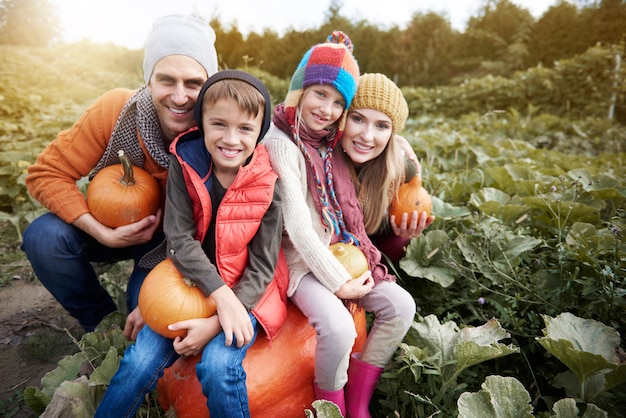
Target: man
pixel 62 244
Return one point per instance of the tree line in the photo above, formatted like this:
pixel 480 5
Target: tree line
pixel 500 39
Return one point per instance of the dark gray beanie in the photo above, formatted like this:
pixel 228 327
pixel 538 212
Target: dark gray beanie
pixel 242 76
pixel 180 35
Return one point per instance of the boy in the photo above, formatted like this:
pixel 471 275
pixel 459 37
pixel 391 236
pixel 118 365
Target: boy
pixel 223 224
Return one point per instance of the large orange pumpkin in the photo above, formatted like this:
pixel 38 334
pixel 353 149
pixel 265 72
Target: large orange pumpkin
pixel 279 378
pixel 121 194
pixel 411 197
pixel 351 257
pixel 166 296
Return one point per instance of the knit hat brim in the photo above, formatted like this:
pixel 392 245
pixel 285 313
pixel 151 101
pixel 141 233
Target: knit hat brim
pixel 376 91
pixel 242 76
pixel 180 35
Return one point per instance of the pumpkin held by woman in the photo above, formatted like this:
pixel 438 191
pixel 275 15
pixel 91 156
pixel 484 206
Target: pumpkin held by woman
pixel 411 197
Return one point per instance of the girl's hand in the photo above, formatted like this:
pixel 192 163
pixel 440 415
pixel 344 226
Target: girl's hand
pixel 356 288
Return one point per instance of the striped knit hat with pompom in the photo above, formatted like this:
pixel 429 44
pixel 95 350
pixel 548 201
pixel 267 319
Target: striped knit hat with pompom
pixel 330 63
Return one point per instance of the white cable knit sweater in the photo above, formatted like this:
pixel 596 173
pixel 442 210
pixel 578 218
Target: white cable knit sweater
pixel 305 238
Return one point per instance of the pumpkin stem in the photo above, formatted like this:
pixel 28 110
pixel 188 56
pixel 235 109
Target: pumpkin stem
pixel 189 282
pixel 128 178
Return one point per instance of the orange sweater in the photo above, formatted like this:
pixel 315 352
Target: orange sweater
pixel 75 152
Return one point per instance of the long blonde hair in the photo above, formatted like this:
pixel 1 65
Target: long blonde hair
pixel 370 183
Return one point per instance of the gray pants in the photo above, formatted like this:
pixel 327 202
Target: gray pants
pixel 394 310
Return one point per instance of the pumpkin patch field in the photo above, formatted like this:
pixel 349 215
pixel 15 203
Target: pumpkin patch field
pixel 520 282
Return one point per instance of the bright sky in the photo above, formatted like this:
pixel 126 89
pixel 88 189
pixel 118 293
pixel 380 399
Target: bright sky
pixel 127 22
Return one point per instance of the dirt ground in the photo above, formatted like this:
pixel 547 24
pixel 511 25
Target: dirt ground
pixel 35 333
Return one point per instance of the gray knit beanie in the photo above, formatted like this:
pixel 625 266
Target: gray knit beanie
pixel 180 35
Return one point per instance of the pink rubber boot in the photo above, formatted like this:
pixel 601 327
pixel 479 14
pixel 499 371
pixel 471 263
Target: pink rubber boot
pixel 362 380
pixel 335 397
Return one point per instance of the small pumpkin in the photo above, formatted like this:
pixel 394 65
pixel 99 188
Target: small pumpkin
pixel 411 197
pixel 166 296
pixel 351 257
pixel 121 194
pixel 279 377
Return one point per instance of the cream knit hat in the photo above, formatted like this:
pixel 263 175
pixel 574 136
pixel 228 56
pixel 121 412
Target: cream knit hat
pixel 180 35
pixel 376 91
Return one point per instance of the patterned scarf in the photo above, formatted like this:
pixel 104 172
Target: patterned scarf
pixel 140 114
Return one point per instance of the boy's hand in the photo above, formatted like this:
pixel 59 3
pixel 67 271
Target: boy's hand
pixel 356 288
pixel 199 332
pixel 233 317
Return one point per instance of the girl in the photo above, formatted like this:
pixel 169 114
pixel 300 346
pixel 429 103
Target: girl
pixel 371 147
pixel 320 207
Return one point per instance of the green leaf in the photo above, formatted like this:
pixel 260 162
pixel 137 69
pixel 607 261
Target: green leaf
pixel 566 408
pixel 102 374
pixel 36 400
pixel 500 397
pixel 67 369
pixel 425 250
pixel 479 344
pixel 437 338
pixel 585 346
pixel 324 409
pixel 73 399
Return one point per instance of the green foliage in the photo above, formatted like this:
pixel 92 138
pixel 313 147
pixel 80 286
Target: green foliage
pixel 522 233
pixel 506 397
pixel 77 385
pixel 590 349
pixel 431 361
pixel 578 87
pixel 10 407
pixel 499 397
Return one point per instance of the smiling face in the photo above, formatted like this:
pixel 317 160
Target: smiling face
pixel 174 84
pixel 366 135
pixel 230 136
pixel 321 106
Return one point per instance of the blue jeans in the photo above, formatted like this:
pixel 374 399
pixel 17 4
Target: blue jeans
pixel 61 257
pixel 220 372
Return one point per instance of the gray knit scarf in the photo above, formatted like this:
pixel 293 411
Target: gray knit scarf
pixel 140 114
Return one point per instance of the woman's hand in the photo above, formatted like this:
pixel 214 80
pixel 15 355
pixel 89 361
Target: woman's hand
pixel 412 228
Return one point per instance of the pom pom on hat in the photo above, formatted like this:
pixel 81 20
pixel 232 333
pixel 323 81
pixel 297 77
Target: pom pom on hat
pixel 378 92
pixel 330 63
pixel 180 35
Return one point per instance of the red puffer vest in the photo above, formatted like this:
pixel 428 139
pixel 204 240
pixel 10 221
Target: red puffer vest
pixel 238 219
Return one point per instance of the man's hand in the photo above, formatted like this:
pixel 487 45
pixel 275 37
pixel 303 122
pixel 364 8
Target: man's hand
pixel 136 233
pixel 134 323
